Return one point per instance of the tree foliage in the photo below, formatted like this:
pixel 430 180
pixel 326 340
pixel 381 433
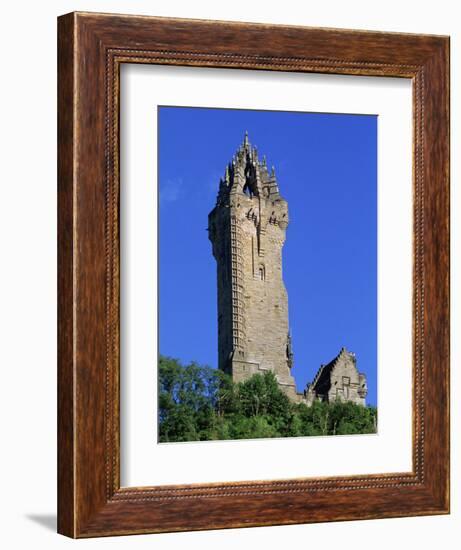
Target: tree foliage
pixel 198 403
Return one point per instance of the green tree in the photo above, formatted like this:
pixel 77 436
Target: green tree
pixel 197 403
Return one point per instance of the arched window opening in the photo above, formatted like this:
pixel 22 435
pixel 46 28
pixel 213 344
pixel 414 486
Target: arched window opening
pixel 262 273
pixel 250 188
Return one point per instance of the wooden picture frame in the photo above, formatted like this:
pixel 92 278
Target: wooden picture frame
pixel 90 500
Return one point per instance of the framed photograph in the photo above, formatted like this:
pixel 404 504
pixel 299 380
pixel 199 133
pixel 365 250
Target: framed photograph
pixel 253 259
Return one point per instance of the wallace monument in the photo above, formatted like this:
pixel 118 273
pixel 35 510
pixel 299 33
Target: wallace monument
pixel 247 229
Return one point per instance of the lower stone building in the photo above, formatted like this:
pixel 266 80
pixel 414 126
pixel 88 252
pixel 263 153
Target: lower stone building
pixel 339 380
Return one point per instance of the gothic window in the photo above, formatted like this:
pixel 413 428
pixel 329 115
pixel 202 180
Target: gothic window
pixel 262 273
pixel 248 190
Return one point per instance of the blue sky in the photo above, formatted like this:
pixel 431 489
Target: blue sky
pixel 326 166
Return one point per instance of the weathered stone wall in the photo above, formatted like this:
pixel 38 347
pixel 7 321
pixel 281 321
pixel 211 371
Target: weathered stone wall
pixel 264 294
pixel 222 253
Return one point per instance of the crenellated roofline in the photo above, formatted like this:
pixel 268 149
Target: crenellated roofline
pixel 246 174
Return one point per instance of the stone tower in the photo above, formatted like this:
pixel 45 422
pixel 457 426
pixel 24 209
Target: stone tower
pixel 247 229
